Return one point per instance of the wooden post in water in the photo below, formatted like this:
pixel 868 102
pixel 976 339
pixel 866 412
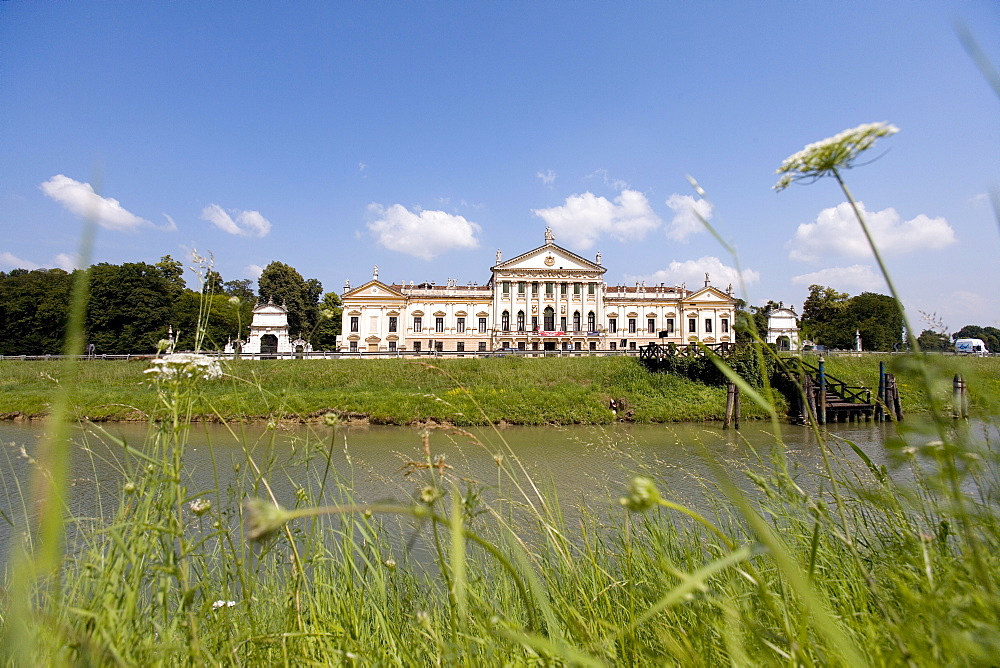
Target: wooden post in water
pixel 892 401
pixel 730 400
pixel 736 405
pixel 810 393
pixel 960 401
pixel 880 399
pixel 821 413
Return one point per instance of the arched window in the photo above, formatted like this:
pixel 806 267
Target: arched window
pixel 505 321
pixel 576 321
pixel 591 322
pixel 550 319
pixel 520 321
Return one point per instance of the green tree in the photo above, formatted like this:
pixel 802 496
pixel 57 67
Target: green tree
pixel 242 288
pixel 213 283
pixel 824 318
pixel 33 310
pixel 284 285
pixel 878 319
pixel 173 271
pixel 930 340
pixel 130 307
pixel 220 318
pixel 329 327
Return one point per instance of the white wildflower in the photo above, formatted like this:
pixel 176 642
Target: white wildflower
pixel 200 506
pixel 825 157
pixel 223 604
pixel 177 366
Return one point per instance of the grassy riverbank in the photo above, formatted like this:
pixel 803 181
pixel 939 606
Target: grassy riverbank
pixel 457 391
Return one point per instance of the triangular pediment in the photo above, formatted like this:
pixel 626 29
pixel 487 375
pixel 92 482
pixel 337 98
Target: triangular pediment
pixel 546 258
pixel 709 294
pixel 373 290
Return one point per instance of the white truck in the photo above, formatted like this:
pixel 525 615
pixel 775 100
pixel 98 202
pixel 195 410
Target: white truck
pixel 971 347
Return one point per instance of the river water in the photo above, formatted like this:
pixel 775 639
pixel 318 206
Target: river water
pixel 582 466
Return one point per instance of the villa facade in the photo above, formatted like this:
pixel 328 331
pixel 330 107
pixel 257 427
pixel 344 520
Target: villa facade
pixel 548 298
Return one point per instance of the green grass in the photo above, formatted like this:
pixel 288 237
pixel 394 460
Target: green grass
pixel 462 391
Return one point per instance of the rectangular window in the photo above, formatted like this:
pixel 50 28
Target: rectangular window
pixel 482 325
pixel 439 325
pixel 393 323
pixel 670 325
pixel 692 325
pixel 562 324
pixel 416 346
pixel 418 324
pixel 708 325
pixel 613 346
pixel 354 323
pixel 590 288
pixel 460 346
pixel 505 285
pixel 534 323
pixel 651 325
pixel 392 346
pixel 534 288
pixel 725 325
pixel 520 287
pixel 631 326
pixel 631 345
pixel 439 346
pixel 460 325
pixel 563 288
pixel 354 346
pixel 520 345
pixel 577 288
pixel 482 346
pixel 550 288
pixel 612 325
pixel 593 345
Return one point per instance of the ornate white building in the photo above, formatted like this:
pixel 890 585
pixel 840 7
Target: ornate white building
pixel 783 329
pixel 548 298
pixel 269 334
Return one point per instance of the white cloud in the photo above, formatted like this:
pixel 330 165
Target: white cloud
pixel 617 184
pixel 837 232
pixel 586 217
pixel 856 278
pixel 423 234
pixel 693 273
pixel 548 177
pixel 253 271
pixel 67 261
pixel 246 223
pixel 11 261
pixel 171 226
pixel 686 222
pixel 80 199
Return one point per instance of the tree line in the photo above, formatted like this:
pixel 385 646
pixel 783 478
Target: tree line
pixel 130 307
pixel 832 319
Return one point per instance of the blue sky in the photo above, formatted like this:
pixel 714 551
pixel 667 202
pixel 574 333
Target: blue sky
pixel 423 136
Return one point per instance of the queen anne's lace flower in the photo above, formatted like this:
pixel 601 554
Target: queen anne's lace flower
pixel 825 157
pixel 184 365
